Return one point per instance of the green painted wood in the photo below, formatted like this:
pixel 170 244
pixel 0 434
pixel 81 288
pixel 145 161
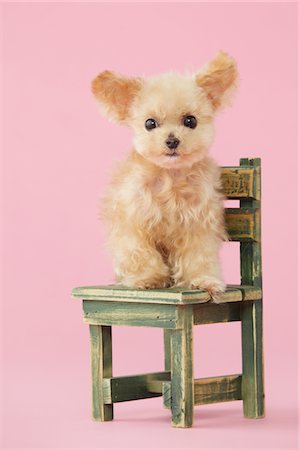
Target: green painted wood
pixel 162 296
pixel 101 366
pixel 218 389
pixel 253 370
pixel 234 293
pixel 135 387
pixel 250 253
pixel 239 182
pixel 176 310
pixel 130 314
pixel 248 292
pixel 182 380
pixel 250 256
pixel 251 315
pixel 167 349
pixel 167 394
pixel 242 224
pixel 210 390
pixel 216 313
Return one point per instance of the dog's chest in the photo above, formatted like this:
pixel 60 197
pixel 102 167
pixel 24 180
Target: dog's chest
pixel 176 196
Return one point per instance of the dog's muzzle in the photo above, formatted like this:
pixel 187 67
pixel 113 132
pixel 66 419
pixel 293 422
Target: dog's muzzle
pixel 172 154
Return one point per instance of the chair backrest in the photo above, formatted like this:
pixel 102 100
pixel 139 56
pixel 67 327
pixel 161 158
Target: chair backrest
pixel 243 224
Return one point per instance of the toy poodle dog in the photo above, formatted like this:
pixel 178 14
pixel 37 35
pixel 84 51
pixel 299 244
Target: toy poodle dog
pixel 164 207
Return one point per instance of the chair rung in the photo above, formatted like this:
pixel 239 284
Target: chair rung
pixel 210 390
pixel 135 387
pixel 216 313
pixel 242 224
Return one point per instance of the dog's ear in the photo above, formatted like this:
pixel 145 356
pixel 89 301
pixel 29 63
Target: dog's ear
pixel 115 93
pixel 218 78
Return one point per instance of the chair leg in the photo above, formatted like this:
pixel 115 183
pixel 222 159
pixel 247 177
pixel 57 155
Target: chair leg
pixel 252 349
pixel 182 378
pixel 101 365
pixel 167 348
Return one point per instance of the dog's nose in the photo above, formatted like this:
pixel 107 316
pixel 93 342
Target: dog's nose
pixel 172 142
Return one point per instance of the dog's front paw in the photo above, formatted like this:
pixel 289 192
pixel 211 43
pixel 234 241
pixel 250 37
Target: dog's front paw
pixel 150 284
pixel 213 286
pixel 154 282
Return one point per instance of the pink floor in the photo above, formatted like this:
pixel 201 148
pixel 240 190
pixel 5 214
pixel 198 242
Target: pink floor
pixel 48 408
pixel 63 421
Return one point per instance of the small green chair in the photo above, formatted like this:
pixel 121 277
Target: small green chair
pixel 176 311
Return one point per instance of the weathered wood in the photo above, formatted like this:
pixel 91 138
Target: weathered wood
pixel 167 394
pixel 252 350
pixel 248 292
pixel 182 380
pixel 101 366
pixel 239 182
pixel 176 310
pixel 242 224
pixel 234 293
pixel 216 313
pixel 167 349
pixel 210 390
pixel 251 315
pixel 218 389
pixel 135 387
pixel 250 252
pixel 124 294
pixel 130 314
pixel 250 256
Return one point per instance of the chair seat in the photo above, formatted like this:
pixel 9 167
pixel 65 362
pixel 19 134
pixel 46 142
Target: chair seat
pixel 173 296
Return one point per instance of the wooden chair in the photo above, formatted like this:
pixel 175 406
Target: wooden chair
pixel 176 311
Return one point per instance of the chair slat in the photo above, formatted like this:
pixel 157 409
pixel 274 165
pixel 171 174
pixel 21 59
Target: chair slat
pixel 240 182
pixel 242 224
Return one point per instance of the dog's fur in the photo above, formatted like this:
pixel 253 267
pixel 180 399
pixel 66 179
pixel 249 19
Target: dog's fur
pixel 164 213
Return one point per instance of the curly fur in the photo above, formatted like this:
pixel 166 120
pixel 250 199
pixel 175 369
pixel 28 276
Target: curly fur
pixel 164 215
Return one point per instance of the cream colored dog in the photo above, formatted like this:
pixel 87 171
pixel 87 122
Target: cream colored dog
pixel 164 206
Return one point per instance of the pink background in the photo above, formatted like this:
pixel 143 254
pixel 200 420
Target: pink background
pixel 58 153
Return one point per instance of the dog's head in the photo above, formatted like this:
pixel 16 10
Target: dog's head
pixel 171 115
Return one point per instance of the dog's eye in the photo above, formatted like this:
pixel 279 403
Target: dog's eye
pixel 190 121
pixel 150 124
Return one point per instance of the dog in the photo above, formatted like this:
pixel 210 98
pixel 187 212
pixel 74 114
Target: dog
pixel 164 206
